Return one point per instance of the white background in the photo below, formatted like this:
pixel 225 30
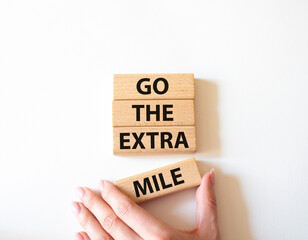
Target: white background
pixel 250 60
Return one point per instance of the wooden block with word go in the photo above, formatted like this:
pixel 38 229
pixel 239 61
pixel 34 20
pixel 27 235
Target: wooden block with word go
pixel 130 140
pixel 172 178
pixel 153 113
pixel 153 86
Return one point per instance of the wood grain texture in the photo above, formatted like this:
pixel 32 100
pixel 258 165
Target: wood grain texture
pixel 175 177
pixel 125 113
pixel 181 86
pixel 124 139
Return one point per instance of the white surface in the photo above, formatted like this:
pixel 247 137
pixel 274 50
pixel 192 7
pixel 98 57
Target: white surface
pixel 56 64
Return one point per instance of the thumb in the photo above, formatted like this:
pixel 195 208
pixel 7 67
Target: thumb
pixel 206 206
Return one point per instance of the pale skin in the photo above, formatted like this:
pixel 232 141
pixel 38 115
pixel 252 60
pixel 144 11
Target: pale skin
pixel 114 216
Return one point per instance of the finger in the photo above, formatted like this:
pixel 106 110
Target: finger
pixel 105 215
pixel 85 236
pixel 89 222
pixel 142 222
pixel 81 236
pixel 206 205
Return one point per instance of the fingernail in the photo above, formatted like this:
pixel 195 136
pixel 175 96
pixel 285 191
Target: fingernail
pixel 101 185
pixel 76 208
pixel 80 192
pixel 78 236
pixel 212 172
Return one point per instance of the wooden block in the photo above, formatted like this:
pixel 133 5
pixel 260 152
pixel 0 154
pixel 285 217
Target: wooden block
pixel 153 113
pixel 132 140
pixel 172 178
pixel 153 86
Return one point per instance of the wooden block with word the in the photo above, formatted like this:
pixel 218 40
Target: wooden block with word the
pixel 153 113
pixel 128 140
pixel 153 86
pixel 172 178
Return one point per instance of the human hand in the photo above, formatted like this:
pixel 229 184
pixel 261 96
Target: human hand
pixel 115 216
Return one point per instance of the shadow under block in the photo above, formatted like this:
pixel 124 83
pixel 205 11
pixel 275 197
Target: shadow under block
pixel 172 178
pixel 153 113
pixel 153 86
pixel 131 140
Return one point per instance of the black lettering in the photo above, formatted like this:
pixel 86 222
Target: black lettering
pixel 179 141
pixel 147 87
pixel 152 135
pixel 149 112
pixel 122 140
pixel 175 176
pixel 138 107
pixel 165 112
pixel 164 140
pixel 155 183
pixel 138 140
pixel 166 86
pixel 162 180
pixel 146 184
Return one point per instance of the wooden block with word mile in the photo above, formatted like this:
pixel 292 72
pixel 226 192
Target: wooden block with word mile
pixel 172 178
pixel 153 86
pixel 130 140
pixel 153 113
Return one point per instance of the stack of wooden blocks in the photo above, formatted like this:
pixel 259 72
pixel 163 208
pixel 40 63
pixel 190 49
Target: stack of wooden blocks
pixel 153 113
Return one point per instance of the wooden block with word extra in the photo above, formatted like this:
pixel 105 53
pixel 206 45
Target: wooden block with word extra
pixel 172 178
pixel 130 140
pixel 153 86
pixel 153 113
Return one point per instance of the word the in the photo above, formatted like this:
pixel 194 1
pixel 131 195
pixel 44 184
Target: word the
pixel 155 112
